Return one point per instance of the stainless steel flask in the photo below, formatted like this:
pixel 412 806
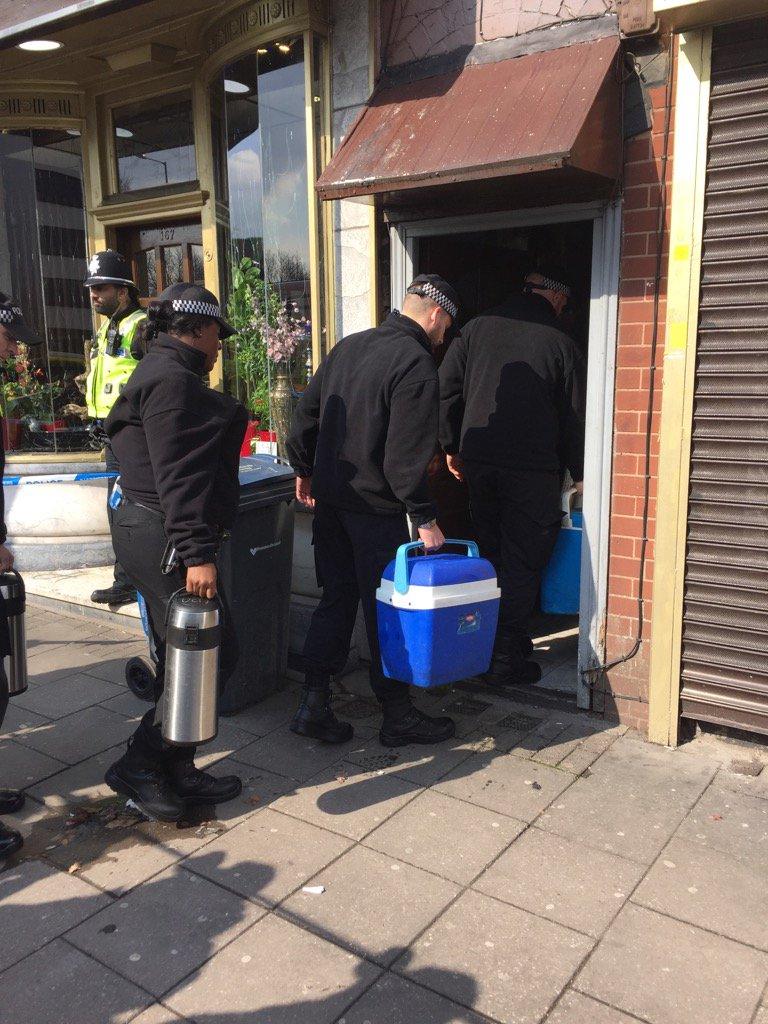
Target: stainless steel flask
pixel 191 689
pixel 12 589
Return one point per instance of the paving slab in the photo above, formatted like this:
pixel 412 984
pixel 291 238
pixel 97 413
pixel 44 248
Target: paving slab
pixel 127 704
pixel 575 1008
pixel 158 1014
pixel 562 880
pixel 303 980
pixel 81 784
pixel 82 656
pixel 23 766
pixel 274 712
pixel 110 664
pixel 231 739
pixel 51 627
pixel 163 930
pixel 347 800
pixel 517 963
pixel 629 809
pixel 748 785
pixel 505 784
pixel 667 972
pixel 60 985
pixel 733 823
pixel 393 1000
pixel 80 735
pixel 204 824
pixel 268 856
pixel 420 765
pixel 445 836
pixel 66 694
pixel 372 903
pixel 17 721
pixel 296 757
pixel 703 886
pixel 39 904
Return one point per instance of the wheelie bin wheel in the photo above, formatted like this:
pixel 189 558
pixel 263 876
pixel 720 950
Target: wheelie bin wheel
pixel 140 677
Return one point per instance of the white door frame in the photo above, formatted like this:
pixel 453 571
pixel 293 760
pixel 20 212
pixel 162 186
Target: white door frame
pixel 603 307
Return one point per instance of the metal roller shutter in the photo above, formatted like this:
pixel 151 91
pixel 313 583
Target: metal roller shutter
pixel 725 618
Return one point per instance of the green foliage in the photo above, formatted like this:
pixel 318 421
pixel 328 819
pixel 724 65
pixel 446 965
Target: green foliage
pixel 251 295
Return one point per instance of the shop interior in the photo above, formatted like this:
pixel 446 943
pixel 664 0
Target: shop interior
pixel 486 267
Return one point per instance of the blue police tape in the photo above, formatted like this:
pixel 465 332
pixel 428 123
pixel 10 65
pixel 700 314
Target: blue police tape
pixel 65 478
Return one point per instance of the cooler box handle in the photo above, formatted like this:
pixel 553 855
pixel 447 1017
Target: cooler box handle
pixel 401 559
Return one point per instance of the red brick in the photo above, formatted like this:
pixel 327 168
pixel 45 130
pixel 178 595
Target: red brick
pixel 627 484
pixel 629 444
pixel 626 526
pixel 626 422
pixel 639 148
pixel 638 266
pixel 640 220
pixel 628 353
pixel 633 378
pixel 637 197
pixel 625 464
pixel 635 311
pixel 641 172
pixel 633 400
pixel 635 245
pixel 623 505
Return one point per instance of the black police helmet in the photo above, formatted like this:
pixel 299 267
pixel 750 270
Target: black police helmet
pixel 109 267
pixel 12 319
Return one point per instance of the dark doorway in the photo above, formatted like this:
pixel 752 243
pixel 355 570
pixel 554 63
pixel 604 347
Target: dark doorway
pixel 487 267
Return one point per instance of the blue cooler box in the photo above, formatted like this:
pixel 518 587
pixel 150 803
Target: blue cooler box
pixel 437 616
pixel 561 582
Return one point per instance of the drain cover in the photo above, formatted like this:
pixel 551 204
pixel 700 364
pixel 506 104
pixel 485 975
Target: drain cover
pixel 467 706
pixel 518 722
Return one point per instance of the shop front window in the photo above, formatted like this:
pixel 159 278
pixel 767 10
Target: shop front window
pixel 42 266
pixel 260 147
pixel 154 143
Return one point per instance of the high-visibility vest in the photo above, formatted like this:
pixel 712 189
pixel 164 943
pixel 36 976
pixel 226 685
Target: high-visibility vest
pixel 108 375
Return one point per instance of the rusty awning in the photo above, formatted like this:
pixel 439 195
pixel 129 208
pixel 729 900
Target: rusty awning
pixel 556 110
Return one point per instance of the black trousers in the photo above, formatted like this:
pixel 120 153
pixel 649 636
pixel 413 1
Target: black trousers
pixel 352 549
pixel 517 520
pixel 140 541
pixel 121 577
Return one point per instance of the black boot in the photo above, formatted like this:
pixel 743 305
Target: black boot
pixel 114 595
pixel 10 841
pixel 142 778
pixel 194 786
pixel 315 717
pixel 403 724
pixel 11 800
pixel 512 672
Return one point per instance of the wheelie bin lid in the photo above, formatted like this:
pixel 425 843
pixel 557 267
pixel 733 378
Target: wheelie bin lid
pixel 264 479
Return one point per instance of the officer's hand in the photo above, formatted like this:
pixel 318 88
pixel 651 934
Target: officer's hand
pixel 201 580
pixel 579 485
pixel 6 558
pixel 455 466
pixel 304 491
pixel 431 538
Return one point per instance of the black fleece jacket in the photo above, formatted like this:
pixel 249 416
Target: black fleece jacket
pixel 511 391
pixel 366 427
pixel 177 443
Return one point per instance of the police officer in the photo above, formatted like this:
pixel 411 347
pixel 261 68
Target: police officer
pixel 177 443
pixel 511 422
pixel 361 440
pixel 12 331
pixel 115 354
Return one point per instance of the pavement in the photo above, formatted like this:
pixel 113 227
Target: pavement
pixel 543 866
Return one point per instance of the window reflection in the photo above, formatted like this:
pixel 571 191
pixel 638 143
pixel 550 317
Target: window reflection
pixel 154 142
pixel 42 266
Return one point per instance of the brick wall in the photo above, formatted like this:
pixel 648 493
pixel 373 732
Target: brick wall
pixel 627 684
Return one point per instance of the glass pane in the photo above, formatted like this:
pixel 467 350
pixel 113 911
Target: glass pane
pixel 173 265
pixel 154 142
pixel 146 273
pixel 198 267
pixel 42 224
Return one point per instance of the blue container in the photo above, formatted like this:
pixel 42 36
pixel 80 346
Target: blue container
pixel 437 616
pixel 561 582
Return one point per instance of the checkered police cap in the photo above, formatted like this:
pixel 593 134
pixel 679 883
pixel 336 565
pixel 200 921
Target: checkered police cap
pixel 551 285
pixel 431 286
pixel 12 316
pixel 196 307
pixel 9 314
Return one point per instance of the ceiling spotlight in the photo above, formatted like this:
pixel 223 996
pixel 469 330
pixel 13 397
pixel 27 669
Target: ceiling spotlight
pixel 40 45
pixel 284 47
pixel 123 133
pixel 262 50
pixel 230 85
pixel 74 132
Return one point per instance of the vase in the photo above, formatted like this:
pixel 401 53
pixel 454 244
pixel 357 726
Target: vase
pixel 282 408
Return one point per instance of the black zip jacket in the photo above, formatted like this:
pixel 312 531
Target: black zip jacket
pixel 177 443
pixel 3 530
pixel 511 391
pixel 366 427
